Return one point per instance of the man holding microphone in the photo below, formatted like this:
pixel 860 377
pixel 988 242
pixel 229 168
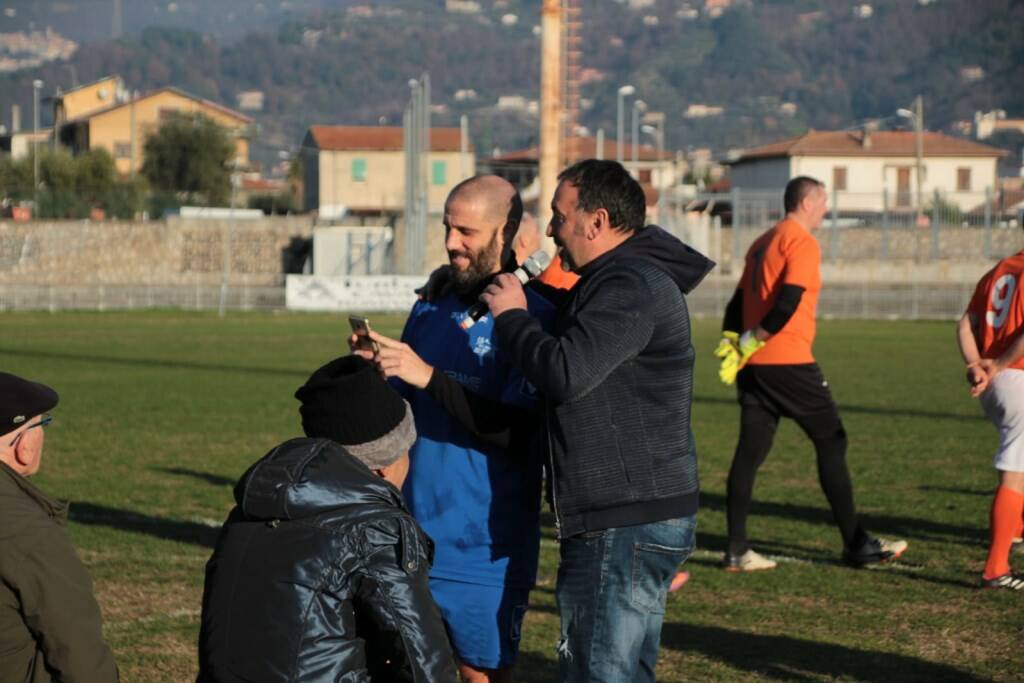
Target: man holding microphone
pixel 616 374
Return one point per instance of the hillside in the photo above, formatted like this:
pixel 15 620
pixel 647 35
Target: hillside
pixel 775 67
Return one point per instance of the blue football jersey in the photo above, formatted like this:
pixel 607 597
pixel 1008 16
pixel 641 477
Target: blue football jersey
pixel 478 503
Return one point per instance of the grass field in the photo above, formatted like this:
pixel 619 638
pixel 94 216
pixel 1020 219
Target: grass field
pixel 162 411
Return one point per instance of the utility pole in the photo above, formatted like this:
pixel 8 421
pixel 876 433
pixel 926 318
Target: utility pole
pixel 624 92
pixel 117 22
pixel 550 109
pixel 416 124
pixel 639 107
pixel 36 87
pixel 919 145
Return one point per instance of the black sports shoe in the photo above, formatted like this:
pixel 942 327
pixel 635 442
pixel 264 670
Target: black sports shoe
pixel 1014 582
pixel 874 550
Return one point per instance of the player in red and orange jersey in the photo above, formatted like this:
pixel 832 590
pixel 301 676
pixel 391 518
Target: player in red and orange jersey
pixel 768 333
pixel 992 344
pixel 556 276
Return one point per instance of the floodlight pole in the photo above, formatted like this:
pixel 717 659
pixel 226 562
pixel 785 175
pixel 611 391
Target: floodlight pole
pixel 236 180
pixel 919 151
pixel 639 106
pixel 36 87
pixel 624 92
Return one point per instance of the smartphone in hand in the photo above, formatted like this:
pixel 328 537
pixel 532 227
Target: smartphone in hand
pixel 361 327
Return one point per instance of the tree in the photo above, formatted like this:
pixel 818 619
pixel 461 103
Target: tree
pixel 71 186
pixel 188 160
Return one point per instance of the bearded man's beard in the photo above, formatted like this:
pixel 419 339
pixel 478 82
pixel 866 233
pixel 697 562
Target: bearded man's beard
pixel 481 266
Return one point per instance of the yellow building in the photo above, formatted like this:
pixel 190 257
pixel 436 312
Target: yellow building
pixel 361 169
pixel 105 115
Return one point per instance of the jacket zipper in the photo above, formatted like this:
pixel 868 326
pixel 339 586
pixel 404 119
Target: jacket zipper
pixel 551 470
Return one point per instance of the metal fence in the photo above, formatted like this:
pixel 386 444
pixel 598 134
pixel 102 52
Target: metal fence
pixel 864 300
pixel 882 258
pixel 952 226
pixel 55 298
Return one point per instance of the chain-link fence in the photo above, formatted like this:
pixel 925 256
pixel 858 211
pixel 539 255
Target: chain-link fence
pixel 880 257
pixel 951 226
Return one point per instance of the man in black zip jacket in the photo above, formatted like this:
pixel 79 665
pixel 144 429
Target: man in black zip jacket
pixel 320 573
pixel 617 376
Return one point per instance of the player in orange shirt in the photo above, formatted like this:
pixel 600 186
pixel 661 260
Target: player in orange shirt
pixel 992 344
pixel 768 332
pixel 556 276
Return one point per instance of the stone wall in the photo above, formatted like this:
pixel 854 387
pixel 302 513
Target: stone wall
pixel 169 252
pixel 190 252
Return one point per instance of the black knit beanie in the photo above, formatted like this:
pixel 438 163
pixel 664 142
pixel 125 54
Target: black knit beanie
pixel 348 402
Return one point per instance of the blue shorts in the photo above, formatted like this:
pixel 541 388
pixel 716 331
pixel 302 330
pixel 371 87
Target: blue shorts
pixel 485 623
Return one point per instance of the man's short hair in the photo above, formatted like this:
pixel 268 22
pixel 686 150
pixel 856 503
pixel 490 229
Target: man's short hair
pixel 483 186
pixel 607 185
pixel 797 189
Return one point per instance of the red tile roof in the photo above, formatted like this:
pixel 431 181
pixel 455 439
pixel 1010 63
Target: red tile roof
pixel 879 143
pixel 586 148
pixel 380 138
pixel 263 185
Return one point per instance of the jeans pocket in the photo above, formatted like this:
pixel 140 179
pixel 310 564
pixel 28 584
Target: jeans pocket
pixel 591 535
pixel 653 566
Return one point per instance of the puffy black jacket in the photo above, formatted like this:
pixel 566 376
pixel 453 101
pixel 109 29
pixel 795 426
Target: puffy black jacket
pixel 320 574
pixel 617 376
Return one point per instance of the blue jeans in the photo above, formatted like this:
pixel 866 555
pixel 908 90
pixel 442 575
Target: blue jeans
pixel 611 598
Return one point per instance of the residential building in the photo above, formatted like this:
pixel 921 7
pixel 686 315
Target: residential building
pixel 19 144
pixel 873 171
pixel 250 100
pixel 988 124
pixel 700 111
pixel 105 115
pixel 361 169
pixel 462 6
pixel 656 171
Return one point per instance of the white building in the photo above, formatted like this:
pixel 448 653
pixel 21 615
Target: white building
pixel 872 171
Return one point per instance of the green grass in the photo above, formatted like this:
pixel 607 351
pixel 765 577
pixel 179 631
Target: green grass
pixel 162 411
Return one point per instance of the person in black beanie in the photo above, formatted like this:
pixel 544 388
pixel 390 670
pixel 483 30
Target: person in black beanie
pixel 50 624
pixel 320 573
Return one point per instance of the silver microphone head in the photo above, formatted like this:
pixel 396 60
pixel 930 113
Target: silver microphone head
pixel 535 264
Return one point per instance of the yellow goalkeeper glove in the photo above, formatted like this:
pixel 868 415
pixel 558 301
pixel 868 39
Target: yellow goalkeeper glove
pixel 735 350
pixel 728 350
pixel 748 345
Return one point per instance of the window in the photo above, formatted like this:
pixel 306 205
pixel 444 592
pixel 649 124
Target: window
pixel 839 178
pixel 963 179
pixel 165 114
pixel 359 170
pixel 439 173
pixel 644 175
pixel 122 150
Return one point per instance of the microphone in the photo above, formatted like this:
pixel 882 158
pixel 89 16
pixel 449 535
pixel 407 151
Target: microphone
pixel 531 268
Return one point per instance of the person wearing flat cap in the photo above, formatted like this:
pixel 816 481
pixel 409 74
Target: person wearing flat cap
pixel 50 624
pixel 320 573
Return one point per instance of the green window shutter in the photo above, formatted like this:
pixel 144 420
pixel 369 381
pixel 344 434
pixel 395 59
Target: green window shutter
pixel 359 170
pixel 439 173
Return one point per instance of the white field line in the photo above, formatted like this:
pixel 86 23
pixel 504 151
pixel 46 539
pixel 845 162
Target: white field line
pixel 788 559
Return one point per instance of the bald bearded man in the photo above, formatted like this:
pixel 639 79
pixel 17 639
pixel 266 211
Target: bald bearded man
pixel 478 502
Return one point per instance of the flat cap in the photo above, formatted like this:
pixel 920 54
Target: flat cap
pixel 21 400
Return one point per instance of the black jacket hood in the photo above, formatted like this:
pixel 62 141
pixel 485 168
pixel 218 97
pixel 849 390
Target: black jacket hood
pixel 685 265
pixel 305 477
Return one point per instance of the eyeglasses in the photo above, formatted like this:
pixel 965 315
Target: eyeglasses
pixel 43 421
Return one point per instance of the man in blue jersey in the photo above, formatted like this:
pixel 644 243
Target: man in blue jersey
pixel 479 503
